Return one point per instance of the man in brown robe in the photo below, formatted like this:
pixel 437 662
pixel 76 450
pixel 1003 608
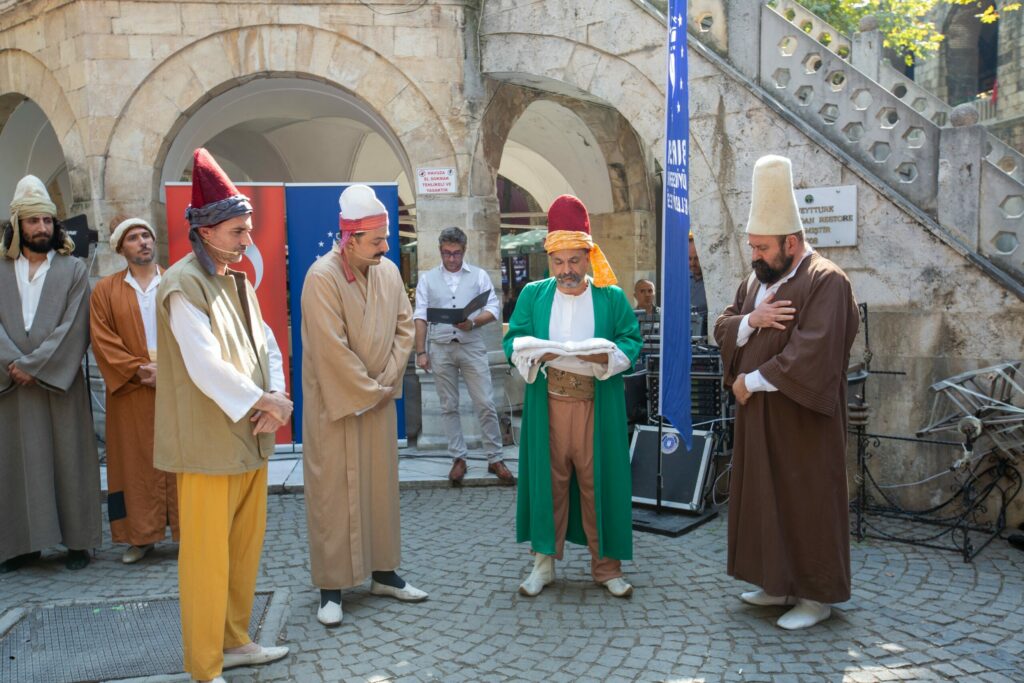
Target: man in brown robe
pixel 141 500
pixel 49 468
pixel 785 345
pixel 357 333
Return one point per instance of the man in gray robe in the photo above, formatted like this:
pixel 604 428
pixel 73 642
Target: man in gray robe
pixel 49 468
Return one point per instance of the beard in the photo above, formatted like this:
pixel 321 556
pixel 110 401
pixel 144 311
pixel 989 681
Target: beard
pixel 570 280
pixel 39 244
pixel 143 259
pixel 770 273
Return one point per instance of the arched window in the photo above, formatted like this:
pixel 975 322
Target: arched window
pixel 971 54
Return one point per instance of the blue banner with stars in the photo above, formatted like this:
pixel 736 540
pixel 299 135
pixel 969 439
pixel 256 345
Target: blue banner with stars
pixel 312 217
pixel 675 290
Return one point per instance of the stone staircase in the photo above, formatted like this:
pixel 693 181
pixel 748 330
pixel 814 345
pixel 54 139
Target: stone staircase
pixel 963 183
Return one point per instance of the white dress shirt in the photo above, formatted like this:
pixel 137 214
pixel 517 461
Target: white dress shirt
pixel 483 284
pixel 572 319
pixel 30 290
pixel 147 305
pixel 754 380
pixel 232 391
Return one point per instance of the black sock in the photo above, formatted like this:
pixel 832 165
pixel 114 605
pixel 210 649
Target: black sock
pixel 389 579
pixel 327 596
pixel 77 559
pixel 19 561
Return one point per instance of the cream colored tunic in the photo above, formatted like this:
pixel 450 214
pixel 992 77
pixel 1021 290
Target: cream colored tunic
pixel 356 339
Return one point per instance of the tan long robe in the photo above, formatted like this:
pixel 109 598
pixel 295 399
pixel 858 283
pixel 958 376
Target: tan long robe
pixel 49 468
pixel 789 530
pixel 141 500
pixel 356 339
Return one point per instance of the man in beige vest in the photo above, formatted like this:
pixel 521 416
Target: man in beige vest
pixel 219 400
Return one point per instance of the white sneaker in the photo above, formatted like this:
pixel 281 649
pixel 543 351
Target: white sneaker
pixel 543 573
pixel 807 613
pixel 218 679
pixel 618 587
pixel 262 655
pixel 408 594
pixel 762 599
pixel 330 614
pixel 134 553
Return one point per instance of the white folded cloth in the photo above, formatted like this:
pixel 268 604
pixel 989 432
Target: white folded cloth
pixel 527 352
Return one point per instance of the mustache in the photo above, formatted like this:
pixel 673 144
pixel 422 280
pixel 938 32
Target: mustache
pixel 379 254
pixel 569 277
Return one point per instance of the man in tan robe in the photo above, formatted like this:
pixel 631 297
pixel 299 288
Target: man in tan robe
pixel 49 468
pixel 141 500
pixel 785 344
pixel 357 333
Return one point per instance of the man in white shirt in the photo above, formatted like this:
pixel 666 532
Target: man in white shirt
pixel 574 472
pixel 448 350
pixel 219 401
pixel 49 468
pixel 141 500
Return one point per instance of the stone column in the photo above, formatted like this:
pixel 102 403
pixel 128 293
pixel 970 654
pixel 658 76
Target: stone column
pixel 960 160
pixel 867 48
pixel 743 31
pixel 479 217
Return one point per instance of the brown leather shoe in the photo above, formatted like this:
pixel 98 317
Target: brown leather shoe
pixel 499 469
pixel 458 471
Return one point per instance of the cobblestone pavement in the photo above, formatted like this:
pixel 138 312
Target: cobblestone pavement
pixel 916 614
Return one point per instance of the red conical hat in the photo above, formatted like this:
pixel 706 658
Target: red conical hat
pixel 568 213
pixel 209 182
pixel 569 228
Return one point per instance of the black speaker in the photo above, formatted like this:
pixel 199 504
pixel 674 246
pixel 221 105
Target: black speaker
pixel 684 472
pixel 77 228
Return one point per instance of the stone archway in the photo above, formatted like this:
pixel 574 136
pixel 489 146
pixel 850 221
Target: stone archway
pixel 25 77
pixel 970 53
pixel 201 71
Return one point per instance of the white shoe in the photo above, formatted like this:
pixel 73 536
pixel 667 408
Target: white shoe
pixel 543 573
pixel 408 594
pixel 218 679
pixel 618 587
pixel 261 656
pixel 807 613
pixel 330 614
pixel 762 599
pixel 134 553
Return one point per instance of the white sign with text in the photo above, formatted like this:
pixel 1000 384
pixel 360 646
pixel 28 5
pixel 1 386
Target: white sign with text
pixel 437 181
pixel 829 215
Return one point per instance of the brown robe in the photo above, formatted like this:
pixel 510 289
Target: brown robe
pixel 356 339
pixel 142 501
pixel 788 505
pixel 49 468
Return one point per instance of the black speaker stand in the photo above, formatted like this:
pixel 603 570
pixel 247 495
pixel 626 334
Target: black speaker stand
pixel 669 522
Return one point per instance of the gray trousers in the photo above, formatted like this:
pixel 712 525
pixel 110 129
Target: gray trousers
pixel 447 361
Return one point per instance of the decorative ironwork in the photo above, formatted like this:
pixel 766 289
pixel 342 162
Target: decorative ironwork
pixel 974 512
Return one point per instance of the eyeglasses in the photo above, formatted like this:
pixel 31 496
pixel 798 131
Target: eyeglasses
pixel 450 254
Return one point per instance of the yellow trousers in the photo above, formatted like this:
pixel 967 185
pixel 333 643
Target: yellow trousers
pixel 222 520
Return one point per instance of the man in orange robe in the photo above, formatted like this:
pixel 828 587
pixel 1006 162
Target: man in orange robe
pixel 142 501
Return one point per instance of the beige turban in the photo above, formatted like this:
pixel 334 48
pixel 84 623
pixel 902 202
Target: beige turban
pixel 773 209
pixel 122 229
pixel 31 199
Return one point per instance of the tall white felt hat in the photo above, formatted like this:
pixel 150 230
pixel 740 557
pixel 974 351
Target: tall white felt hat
pixel 773 208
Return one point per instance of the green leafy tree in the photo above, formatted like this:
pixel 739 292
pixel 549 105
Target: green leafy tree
pixel 906 25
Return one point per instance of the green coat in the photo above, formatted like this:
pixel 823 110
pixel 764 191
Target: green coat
pixel 535 522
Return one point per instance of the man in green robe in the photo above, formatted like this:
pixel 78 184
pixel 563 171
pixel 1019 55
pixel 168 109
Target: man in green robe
pixel 572 337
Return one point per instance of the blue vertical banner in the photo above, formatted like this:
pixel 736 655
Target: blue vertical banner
pixel 312 217
pixel 675 289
